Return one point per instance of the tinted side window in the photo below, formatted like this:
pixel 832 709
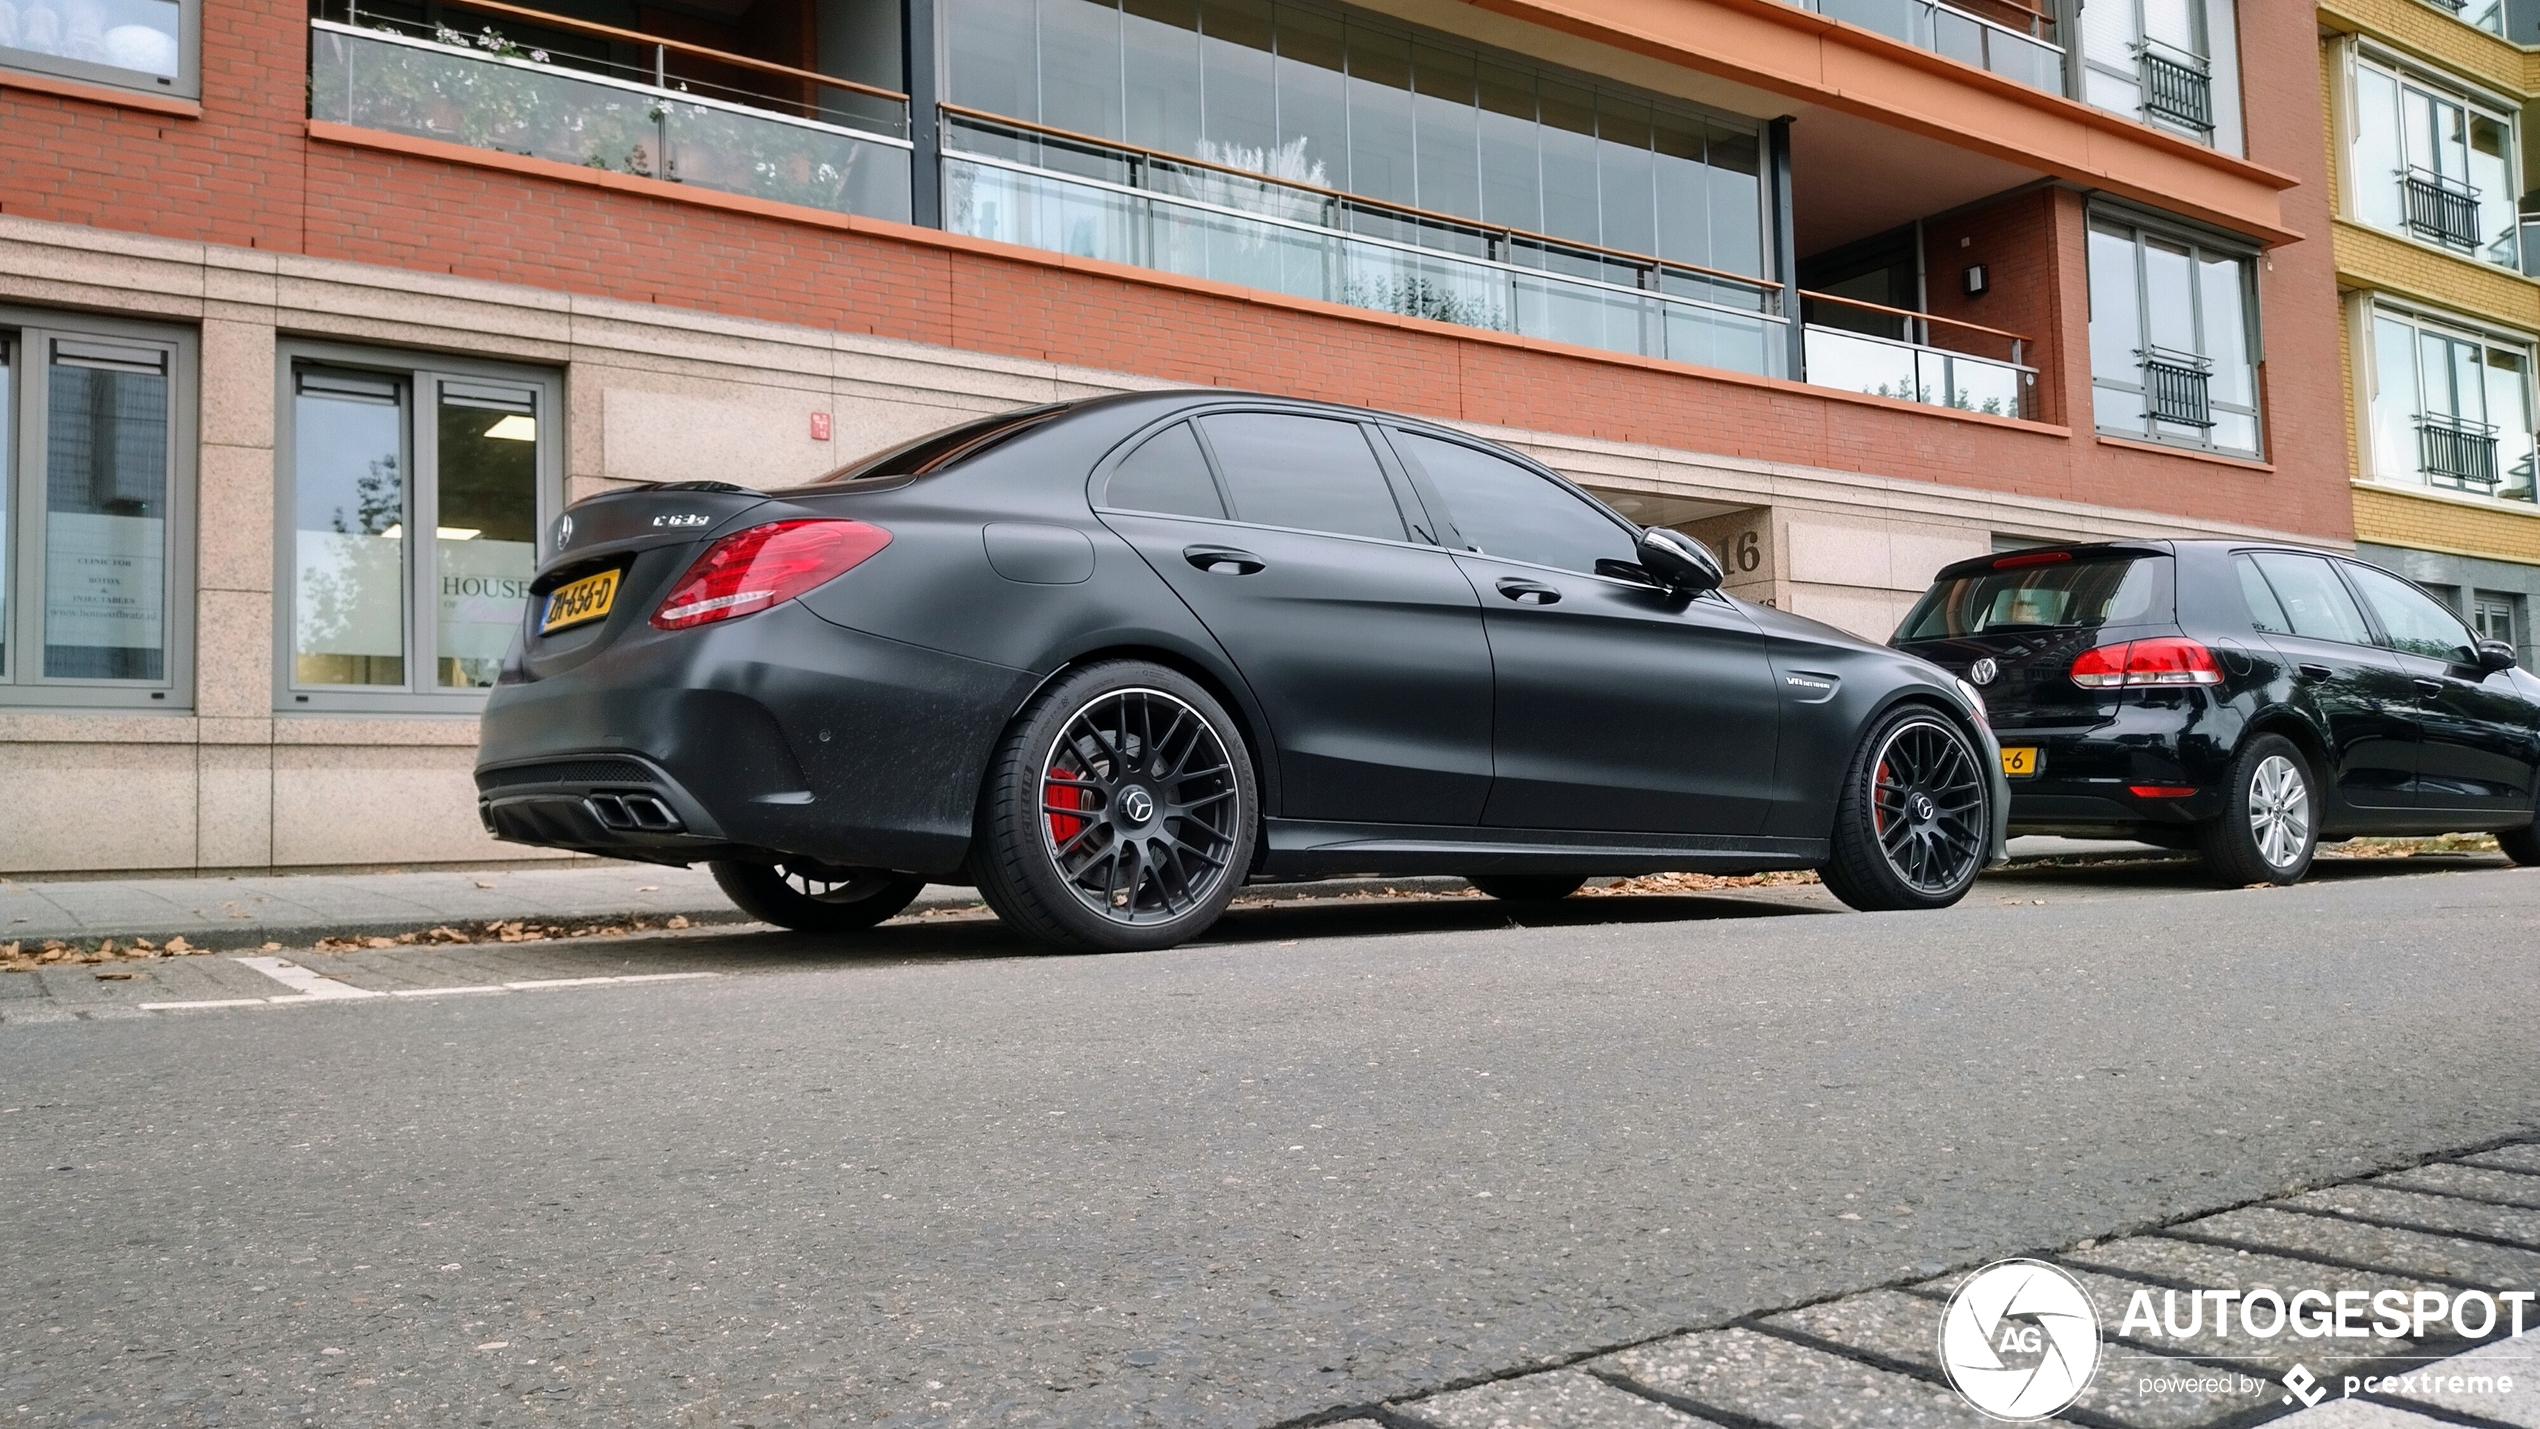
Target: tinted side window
pixel 1166 473
pixel 1502 509
pixel 2417 622
pixel 2315 602
pixel 1308 472
pixel 2265 611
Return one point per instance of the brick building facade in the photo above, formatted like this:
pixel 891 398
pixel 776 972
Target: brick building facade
pixel 240 238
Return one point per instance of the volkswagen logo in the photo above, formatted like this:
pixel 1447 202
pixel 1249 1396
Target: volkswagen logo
pixel 2020 1340
pixel 564 532
pixel 1137 806
pixel 1983 671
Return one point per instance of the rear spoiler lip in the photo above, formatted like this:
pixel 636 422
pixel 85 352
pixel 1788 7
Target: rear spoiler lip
pixel 2084 551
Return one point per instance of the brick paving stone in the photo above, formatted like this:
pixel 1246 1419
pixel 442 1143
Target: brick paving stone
pixel 1759 1377
pixel 2436 1213
pixel 2525 1157
pixel 1906 1329
pixel 2482 1182
pixel 2356 1414
pixel 2505 1360
pixel 2405 1252
pixel 1558 1399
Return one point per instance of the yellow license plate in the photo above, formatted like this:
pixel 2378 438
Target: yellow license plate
pixel 586 599
pixel 2019 760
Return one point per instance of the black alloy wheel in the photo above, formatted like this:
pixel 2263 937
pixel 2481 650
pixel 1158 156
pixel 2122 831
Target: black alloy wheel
pixel 1527 887
pixel 811 897
pixel 1119 814
pixel 1914 819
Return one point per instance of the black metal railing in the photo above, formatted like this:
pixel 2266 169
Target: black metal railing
pixel 2456 453
pixel 2178 87
pixel 2453 6
pixel 2176 385
pixel 2440 210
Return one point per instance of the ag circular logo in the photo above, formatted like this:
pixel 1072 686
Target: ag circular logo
pixel 2020 1340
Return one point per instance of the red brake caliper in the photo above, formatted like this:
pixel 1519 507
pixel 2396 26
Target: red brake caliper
pixel 1062 793
pixel 1878 811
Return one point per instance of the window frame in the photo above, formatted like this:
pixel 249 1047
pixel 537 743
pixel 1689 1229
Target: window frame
pixel 1416 518
pixel 2369 310
pixel 2475 100
pixel 2201 243
pixel 2349 570
pixel 2220 55
pixel 186 83
pixel 416 370
pixel 33 331
pixel 1441 510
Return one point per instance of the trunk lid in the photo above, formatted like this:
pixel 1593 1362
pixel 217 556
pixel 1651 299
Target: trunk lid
pixel 645 537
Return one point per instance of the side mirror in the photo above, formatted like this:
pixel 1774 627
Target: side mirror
pixel 1679 562
pixel 2496 655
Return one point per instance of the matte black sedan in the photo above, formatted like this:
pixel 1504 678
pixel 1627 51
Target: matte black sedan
pixel 2242 699
pixel 1108 660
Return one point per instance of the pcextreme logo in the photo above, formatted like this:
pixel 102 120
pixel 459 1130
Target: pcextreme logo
pixel 2020 1340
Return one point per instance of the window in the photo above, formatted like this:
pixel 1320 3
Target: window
pixel 1345 101
pixel 2450 407
pixel 2057 595
pixel 2313 600
pixel 377 452
pixel 2416 622
pixel 2265 611
pixel 2174 64
pixel 131 44
pixel 2173 338
pixel 96 576
pixel 1502 509
pixel 2491 614
pixel 1310 473
pixel 1166 474
pixel 2434 164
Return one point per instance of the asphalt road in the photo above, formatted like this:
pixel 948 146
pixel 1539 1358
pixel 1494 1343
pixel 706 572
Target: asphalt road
pixel 1340 1154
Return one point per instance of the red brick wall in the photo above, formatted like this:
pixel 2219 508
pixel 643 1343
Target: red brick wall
pixel 2016 242
pixel 248 174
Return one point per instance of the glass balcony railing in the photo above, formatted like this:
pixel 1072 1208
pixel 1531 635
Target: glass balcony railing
pixel 2023 53
pixel 1887 367
pixel 1018 183
pixel 489 94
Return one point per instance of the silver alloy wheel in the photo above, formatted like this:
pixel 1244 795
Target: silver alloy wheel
pixel 1140 806
pixel 2279 811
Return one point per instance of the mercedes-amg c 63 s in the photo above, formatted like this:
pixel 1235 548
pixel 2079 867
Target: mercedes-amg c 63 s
pixel 1109 660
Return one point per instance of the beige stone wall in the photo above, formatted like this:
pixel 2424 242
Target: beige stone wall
pixel 656 394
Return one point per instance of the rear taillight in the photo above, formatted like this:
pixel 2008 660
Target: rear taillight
pixel 751 570
pixel 2169 660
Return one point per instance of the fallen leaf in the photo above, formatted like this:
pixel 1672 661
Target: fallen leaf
pixel 379 942
pixel 272 947
pixel 143 944
pixel 178 945
pixel 676 921
pixel 481 883
pixel 649 888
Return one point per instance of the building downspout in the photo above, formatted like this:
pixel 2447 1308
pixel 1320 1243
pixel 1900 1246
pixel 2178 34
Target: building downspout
pixel 1785 242
pixel 919 70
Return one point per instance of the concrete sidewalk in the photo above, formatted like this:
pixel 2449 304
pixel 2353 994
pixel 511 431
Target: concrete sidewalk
pixel 220 914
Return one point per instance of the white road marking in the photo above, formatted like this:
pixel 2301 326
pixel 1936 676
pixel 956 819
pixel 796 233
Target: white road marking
pixel 315 987
pixel 302 981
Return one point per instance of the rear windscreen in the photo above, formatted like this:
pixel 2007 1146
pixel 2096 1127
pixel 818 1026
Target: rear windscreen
pixel 938 450
pixel 2063 595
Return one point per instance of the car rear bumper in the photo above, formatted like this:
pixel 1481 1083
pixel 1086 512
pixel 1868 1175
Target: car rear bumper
pixel 777 733
pixel 2147 768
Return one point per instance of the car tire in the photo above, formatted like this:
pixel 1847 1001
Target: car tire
pixel 813 897
pixel 1527 887
pixel 2269 827
pixel 2522 845
pixel 1914 819
pixel 1148 785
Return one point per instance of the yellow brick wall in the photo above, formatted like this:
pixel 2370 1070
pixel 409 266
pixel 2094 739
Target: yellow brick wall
pixel 2429 523
pixel 2370 258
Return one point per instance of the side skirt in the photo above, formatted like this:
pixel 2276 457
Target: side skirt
pixel 1297 846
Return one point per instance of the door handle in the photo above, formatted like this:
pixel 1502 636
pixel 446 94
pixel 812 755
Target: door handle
pixel 1526 592
pixel 2316 672
pixel 1224 560
pixel 2428 687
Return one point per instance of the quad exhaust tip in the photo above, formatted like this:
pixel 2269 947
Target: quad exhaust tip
pixel 640 812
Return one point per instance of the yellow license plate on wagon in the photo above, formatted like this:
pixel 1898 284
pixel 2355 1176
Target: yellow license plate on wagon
pixel 586 599
pixel 2019 760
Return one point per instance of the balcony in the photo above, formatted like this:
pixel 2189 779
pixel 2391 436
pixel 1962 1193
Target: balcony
pixel 2178 87
pixel 487 92
pixel 2457 453
pixel 2178 386
pixel 2017 45
pixel 1921 371
pixel 1071 193
pixel 2440 209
